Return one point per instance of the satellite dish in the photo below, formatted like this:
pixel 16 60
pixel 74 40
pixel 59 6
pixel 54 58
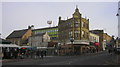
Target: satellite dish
pixel 49 22
pixel 32 25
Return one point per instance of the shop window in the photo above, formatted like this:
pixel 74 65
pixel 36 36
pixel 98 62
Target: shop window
pixel 76 25
pixel 76 22
pixel 82 24
pixel 76 34
pixel 82 33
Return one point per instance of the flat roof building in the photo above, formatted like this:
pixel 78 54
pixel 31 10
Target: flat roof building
pixel 52 32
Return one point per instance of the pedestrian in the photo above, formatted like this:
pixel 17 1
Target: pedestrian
pixel 11 53
pixel 92 50
pixel 15 53
pixel 8 53
pixel 38 53
pixel 45 52
pixel 4 53
pixel 42 54
pixel 29 54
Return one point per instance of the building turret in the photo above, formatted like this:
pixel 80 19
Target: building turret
pixel 76 14
pixel 59 18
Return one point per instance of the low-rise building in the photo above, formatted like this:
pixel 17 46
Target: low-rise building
pixel 39 40
pixel 106 37
pixel 100 34
pixel 106 40
pixel 20 37
pixel 52 32
pixel 93 37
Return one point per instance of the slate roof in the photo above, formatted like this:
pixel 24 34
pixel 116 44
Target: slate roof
pixel 17 34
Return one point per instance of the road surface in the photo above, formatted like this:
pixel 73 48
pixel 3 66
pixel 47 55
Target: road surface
pixel 102 58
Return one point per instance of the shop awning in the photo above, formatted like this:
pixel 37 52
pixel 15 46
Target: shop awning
pixel 97 44
pixel 9 45
pixel 41 47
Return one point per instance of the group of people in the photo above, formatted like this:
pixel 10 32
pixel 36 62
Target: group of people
pixel 14 53
pixel 40 53
pixel 111 46
pixel 9 53
pixel 93 49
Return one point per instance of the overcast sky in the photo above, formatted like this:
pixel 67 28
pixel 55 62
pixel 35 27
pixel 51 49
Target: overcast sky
pixel 18 15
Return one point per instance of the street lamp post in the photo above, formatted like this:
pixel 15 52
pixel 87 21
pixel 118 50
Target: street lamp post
pixel 104 44
pixel 31 46
pixel 72 40
pixel 117 42
pixel 118 21
pixel 59 48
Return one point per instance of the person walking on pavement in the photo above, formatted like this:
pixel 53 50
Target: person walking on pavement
pixel 45 53
pixel 111 45
pixel 42 54
pixel 38 53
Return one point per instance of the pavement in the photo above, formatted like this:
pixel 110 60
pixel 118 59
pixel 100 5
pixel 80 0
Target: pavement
pixel 15 60
pixel 25 59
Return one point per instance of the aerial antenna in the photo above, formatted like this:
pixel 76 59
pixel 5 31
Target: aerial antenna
pixel 76 6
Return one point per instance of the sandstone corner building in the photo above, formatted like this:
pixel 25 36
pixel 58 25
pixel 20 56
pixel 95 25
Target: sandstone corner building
pixel 76 28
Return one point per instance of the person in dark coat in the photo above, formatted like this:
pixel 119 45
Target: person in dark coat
pixel 38 53
pixel 15 53
pixel 45 52
pixel 42 54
